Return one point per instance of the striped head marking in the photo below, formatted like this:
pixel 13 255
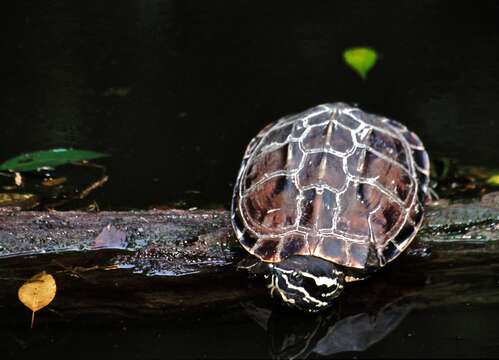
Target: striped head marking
pixel 306 282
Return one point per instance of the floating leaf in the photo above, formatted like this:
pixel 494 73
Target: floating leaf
pixel 48 159
pixel 37 292
pixel 360 59
pixel 493 180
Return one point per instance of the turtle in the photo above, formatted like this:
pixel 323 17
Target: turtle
pixel 328 196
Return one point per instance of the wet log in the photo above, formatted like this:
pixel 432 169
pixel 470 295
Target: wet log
pixel 142 263
pixel 182 242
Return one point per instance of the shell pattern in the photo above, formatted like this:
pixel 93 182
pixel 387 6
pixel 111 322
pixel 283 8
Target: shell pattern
pixel 333 182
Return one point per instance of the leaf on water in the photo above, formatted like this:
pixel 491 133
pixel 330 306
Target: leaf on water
pixel 360 59
pixel 37 292
pixel 48 159
pixel 493 180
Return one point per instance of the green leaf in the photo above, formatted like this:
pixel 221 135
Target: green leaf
pixel 360 59
pixel 48 158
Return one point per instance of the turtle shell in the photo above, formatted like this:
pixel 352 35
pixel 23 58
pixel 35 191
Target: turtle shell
pixel 333 182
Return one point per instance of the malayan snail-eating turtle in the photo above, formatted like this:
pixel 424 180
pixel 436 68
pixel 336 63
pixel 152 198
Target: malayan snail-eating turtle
pixel 328 196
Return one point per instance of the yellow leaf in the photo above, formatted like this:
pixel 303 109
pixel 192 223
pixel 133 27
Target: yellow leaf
pixel 37 292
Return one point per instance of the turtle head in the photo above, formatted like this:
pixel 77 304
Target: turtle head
pixel 306 282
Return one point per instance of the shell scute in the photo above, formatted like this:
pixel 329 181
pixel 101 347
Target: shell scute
pixel 316 208
pixel 332 182
pixel 274 139
pixel 385 221
pixel 328 136
pixel 333 247
pixel 271 206
pixel 330 171
pixel 294 244
pixel 267 249
pixel 349 120
pixel 316 115
pixel 384 144
pixel 285 160
pixel 358 255
pixel 392 177
pixel 355 207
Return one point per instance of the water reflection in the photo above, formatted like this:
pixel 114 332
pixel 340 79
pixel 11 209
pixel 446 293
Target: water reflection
pixel 297 335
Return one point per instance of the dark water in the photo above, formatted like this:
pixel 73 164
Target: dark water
pixel 202 77
pixel 174 90
pixel 454 332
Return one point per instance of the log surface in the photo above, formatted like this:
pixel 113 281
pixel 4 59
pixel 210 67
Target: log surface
pixel 156 262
